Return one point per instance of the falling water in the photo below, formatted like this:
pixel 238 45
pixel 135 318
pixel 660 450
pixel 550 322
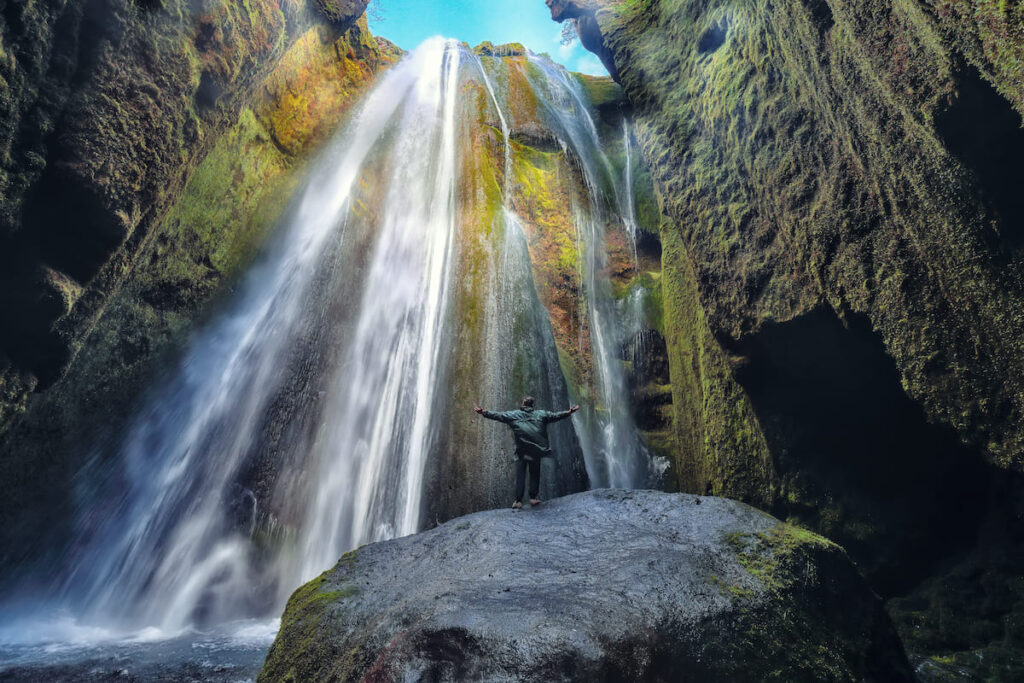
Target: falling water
pixel 628 202
pixel 357 290
pixel 615 454
pixel 375 447
pixel 167 554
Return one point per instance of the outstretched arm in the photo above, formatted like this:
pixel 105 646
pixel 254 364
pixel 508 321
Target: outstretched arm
pixel 555 417
pixel 500 417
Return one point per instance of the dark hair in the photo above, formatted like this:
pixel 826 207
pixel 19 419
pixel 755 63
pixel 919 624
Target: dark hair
pixel 528 401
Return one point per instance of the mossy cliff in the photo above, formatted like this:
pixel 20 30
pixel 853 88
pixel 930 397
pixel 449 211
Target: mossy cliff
pixel 106 109
pixel 843 266
pixel 211 231
pixel 512 341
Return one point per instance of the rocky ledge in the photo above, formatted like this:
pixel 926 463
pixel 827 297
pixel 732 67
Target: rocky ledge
pixel 603 585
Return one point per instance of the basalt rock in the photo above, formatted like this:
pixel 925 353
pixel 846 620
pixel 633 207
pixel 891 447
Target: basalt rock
pixel 208 236
pixel 582 13
pixel 341 12
pixel 844 309
pixel 605 585
pixel 106 109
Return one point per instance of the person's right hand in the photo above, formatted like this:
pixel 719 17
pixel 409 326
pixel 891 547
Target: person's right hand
pixel 573 409
pixel 478 410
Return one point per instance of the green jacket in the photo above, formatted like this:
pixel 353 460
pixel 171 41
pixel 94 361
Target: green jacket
pixel 529 428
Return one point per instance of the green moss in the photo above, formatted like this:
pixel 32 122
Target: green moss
pixel 730 590
pixel 302 651
pixel 600 90
pixel 768 555
pixel 990 33
pixel 719 446
pixel 805 112
pixel 489 49
pixel 211 231
pixel 784 617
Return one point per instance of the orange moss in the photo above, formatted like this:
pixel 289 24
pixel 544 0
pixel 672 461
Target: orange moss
pixel 318 85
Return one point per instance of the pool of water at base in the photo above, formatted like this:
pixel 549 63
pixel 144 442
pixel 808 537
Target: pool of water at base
pixel 232 653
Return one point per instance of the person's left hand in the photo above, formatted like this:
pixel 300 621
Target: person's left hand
pixel 478 410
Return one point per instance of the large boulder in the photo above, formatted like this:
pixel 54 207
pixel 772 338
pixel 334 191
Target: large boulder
pixel 603 585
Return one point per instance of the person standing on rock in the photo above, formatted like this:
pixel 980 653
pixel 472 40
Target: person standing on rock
pixel 530 431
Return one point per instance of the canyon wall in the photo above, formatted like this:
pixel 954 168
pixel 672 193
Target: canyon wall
pixel 202 221
pixel 843 270
pixel 108 107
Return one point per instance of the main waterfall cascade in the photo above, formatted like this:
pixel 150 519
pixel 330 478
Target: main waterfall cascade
pixel 349 339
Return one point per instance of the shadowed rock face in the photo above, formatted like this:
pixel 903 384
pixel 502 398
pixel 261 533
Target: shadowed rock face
pixel 843 273
pixel 848 162
pixel 106 109
pixel 605 585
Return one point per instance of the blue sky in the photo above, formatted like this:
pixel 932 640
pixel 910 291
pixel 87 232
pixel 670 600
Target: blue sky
pixel 408 22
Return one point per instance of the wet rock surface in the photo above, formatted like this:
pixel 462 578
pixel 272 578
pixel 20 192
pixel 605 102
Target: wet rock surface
pixel 603 585
pixel 842 272
pixel 106 110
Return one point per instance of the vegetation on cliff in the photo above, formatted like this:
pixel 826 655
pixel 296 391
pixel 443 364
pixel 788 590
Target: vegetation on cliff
pixel 842 263
pixel 211 232
pixel 107 108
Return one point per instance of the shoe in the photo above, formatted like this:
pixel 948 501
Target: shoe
pixel 517 505
pixel 534 502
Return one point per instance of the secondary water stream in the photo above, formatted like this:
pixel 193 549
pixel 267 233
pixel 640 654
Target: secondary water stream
pixel 616 455
pixel 358 288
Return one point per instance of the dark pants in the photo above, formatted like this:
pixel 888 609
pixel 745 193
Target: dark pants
pixel 521 465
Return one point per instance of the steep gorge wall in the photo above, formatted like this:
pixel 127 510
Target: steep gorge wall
pixel 211 230
pixel 108 107
pixel 844 277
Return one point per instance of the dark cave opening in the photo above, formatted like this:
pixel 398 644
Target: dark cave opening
pixel 713 38
pixel 71 230
pixel 859 461
pixel 821 14
pixel 983 131
pixel 208 91
pixel 648 244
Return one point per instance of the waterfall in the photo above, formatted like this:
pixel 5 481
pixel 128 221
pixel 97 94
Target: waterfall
pixel 628 212
pixel 309 416
pixel 376 440
pixel 615 454
pixel 167 553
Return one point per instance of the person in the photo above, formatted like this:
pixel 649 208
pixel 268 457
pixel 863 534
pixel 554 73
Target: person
pixel 530 431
